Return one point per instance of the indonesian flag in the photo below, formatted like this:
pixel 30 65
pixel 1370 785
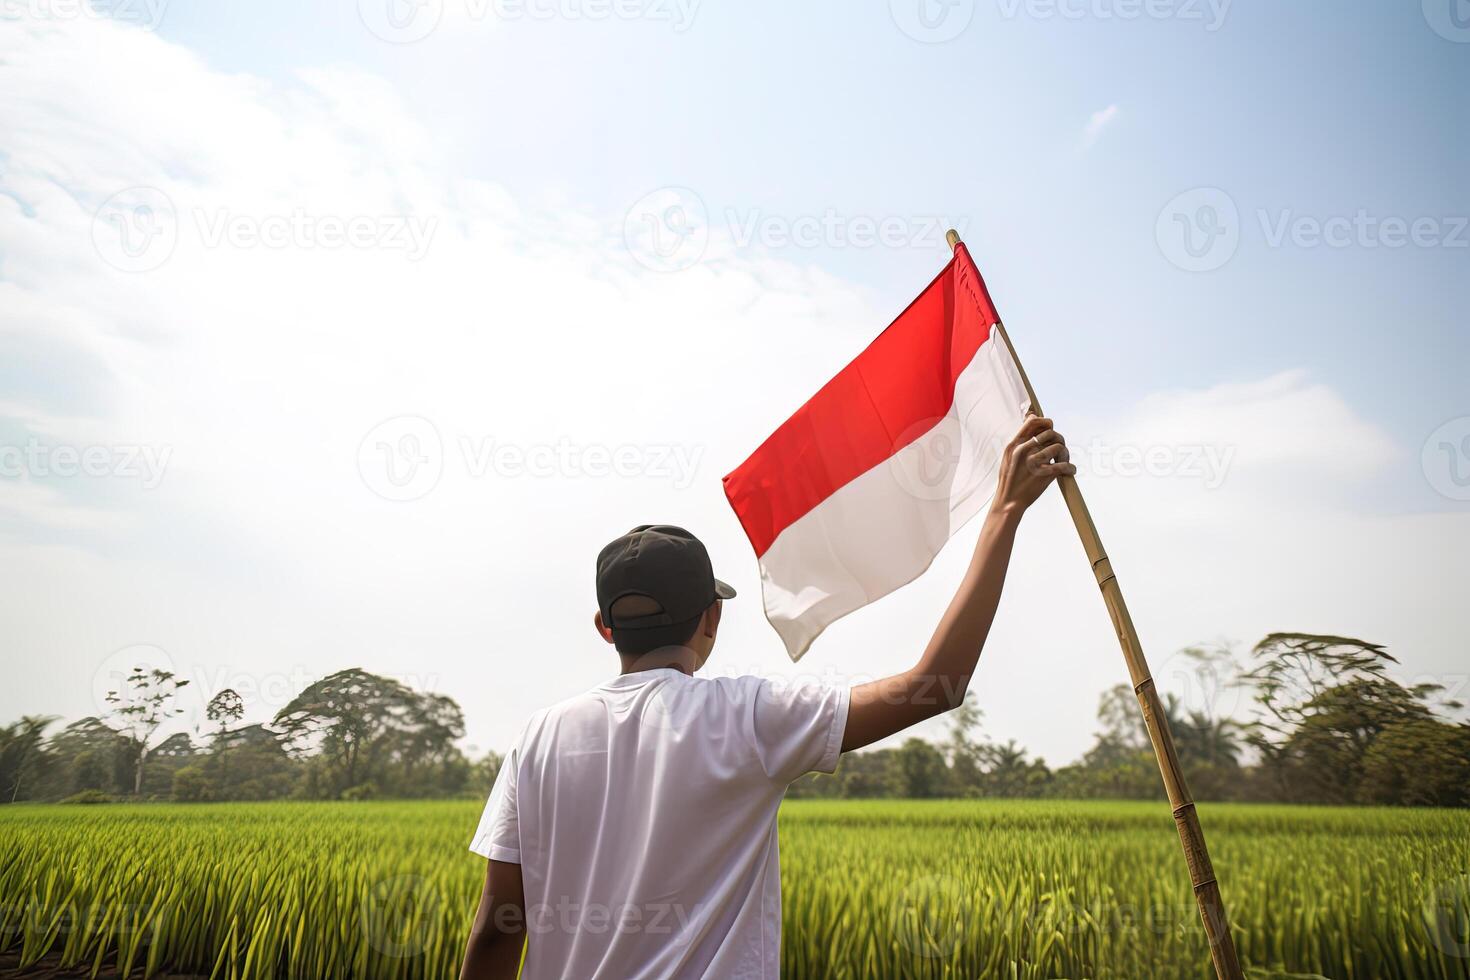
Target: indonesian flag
pixel 856 493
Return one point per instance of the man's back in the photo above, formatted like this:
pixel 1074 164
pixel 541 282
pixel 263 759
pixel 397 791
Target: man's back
pixel 643 816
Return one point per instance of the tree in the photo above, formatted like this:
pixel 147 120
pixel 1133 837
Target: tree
pixel 23 755
pixel 1206 741
pixel 866 775
pixel 225 707
pixel 1120 764
pixel 142 705
pixel 965 747
pixel 1417 762
pixel 918 770
pixel 1326 701
pixel 484 773
pixel 87 755
pixel 259 769
pixel 165 760
pixel 1209 751
pixel 1123 733
pixel 424 749
pixel 1010 774
pixel 371 734
pixel 1295 669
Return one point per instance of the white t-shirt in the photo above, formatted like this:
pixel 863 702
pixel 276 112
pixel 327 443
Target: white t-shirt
pixel 643 816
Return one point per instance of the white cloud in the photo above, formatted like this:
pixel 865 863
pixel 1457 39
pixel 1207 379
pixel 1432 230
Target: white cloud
pixel 1096 123
pixel 262 362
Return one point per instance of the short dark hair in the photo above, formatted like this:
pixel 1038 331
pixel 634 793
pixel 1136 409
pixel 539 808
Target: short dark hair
pixel 635 643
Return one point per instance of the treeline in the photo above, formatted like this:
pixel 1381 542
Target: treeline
pixel 1327 725
pixel 353 735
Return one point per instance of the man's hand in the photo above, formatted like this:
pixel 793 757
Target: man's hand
pixel 1035 457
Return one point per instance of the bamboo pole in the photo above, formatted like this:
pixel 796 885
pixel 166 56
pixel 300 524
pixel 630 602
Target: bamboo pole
pixel 1191 837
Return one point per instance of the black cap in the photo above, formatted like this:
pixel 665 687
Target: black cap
pixel 660 562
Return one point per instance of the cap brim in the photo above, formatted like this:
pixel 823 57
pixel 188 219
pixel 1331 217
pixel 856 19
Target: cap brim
pixel 724 591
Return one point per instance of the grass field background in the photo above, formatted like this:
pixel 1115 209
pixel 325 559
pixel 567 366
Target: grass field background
pixel 1020 889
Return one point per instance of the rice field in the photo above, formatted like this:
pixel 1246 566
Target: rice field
pixel 887 889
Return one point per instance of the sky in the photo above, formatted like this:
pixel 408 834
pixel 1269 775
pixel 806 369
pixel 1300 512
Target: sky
pixel 345 333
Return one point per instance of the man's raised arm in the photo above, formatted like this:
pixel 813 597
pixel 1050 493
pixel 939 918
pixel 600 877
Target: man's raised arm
pixel 1032 460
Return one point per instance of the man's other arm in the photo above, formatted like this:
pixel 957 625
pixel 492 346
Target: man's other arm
pixel 499 930
pixel 1032 460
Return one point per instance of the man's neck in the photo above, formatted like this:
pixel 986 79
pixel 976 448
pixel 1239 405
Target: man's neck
pixel 681 660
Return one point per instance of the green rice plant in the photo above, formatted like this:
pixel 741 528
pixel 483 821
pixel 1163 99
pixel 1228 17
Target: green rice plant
pixel 887 889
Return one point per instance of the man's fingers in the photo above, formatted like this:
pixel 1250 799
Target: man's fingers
pixel 1055 452
pixel 1034 426
pixel 1049 447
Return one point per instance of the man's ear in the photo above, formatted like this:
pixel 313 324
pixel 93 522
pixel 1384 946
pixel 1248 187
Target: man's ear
pixel 711 621
pixel 602 630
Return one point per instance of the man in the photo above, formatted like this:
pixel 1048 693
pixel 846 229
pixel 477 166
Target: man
pixel 631 832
